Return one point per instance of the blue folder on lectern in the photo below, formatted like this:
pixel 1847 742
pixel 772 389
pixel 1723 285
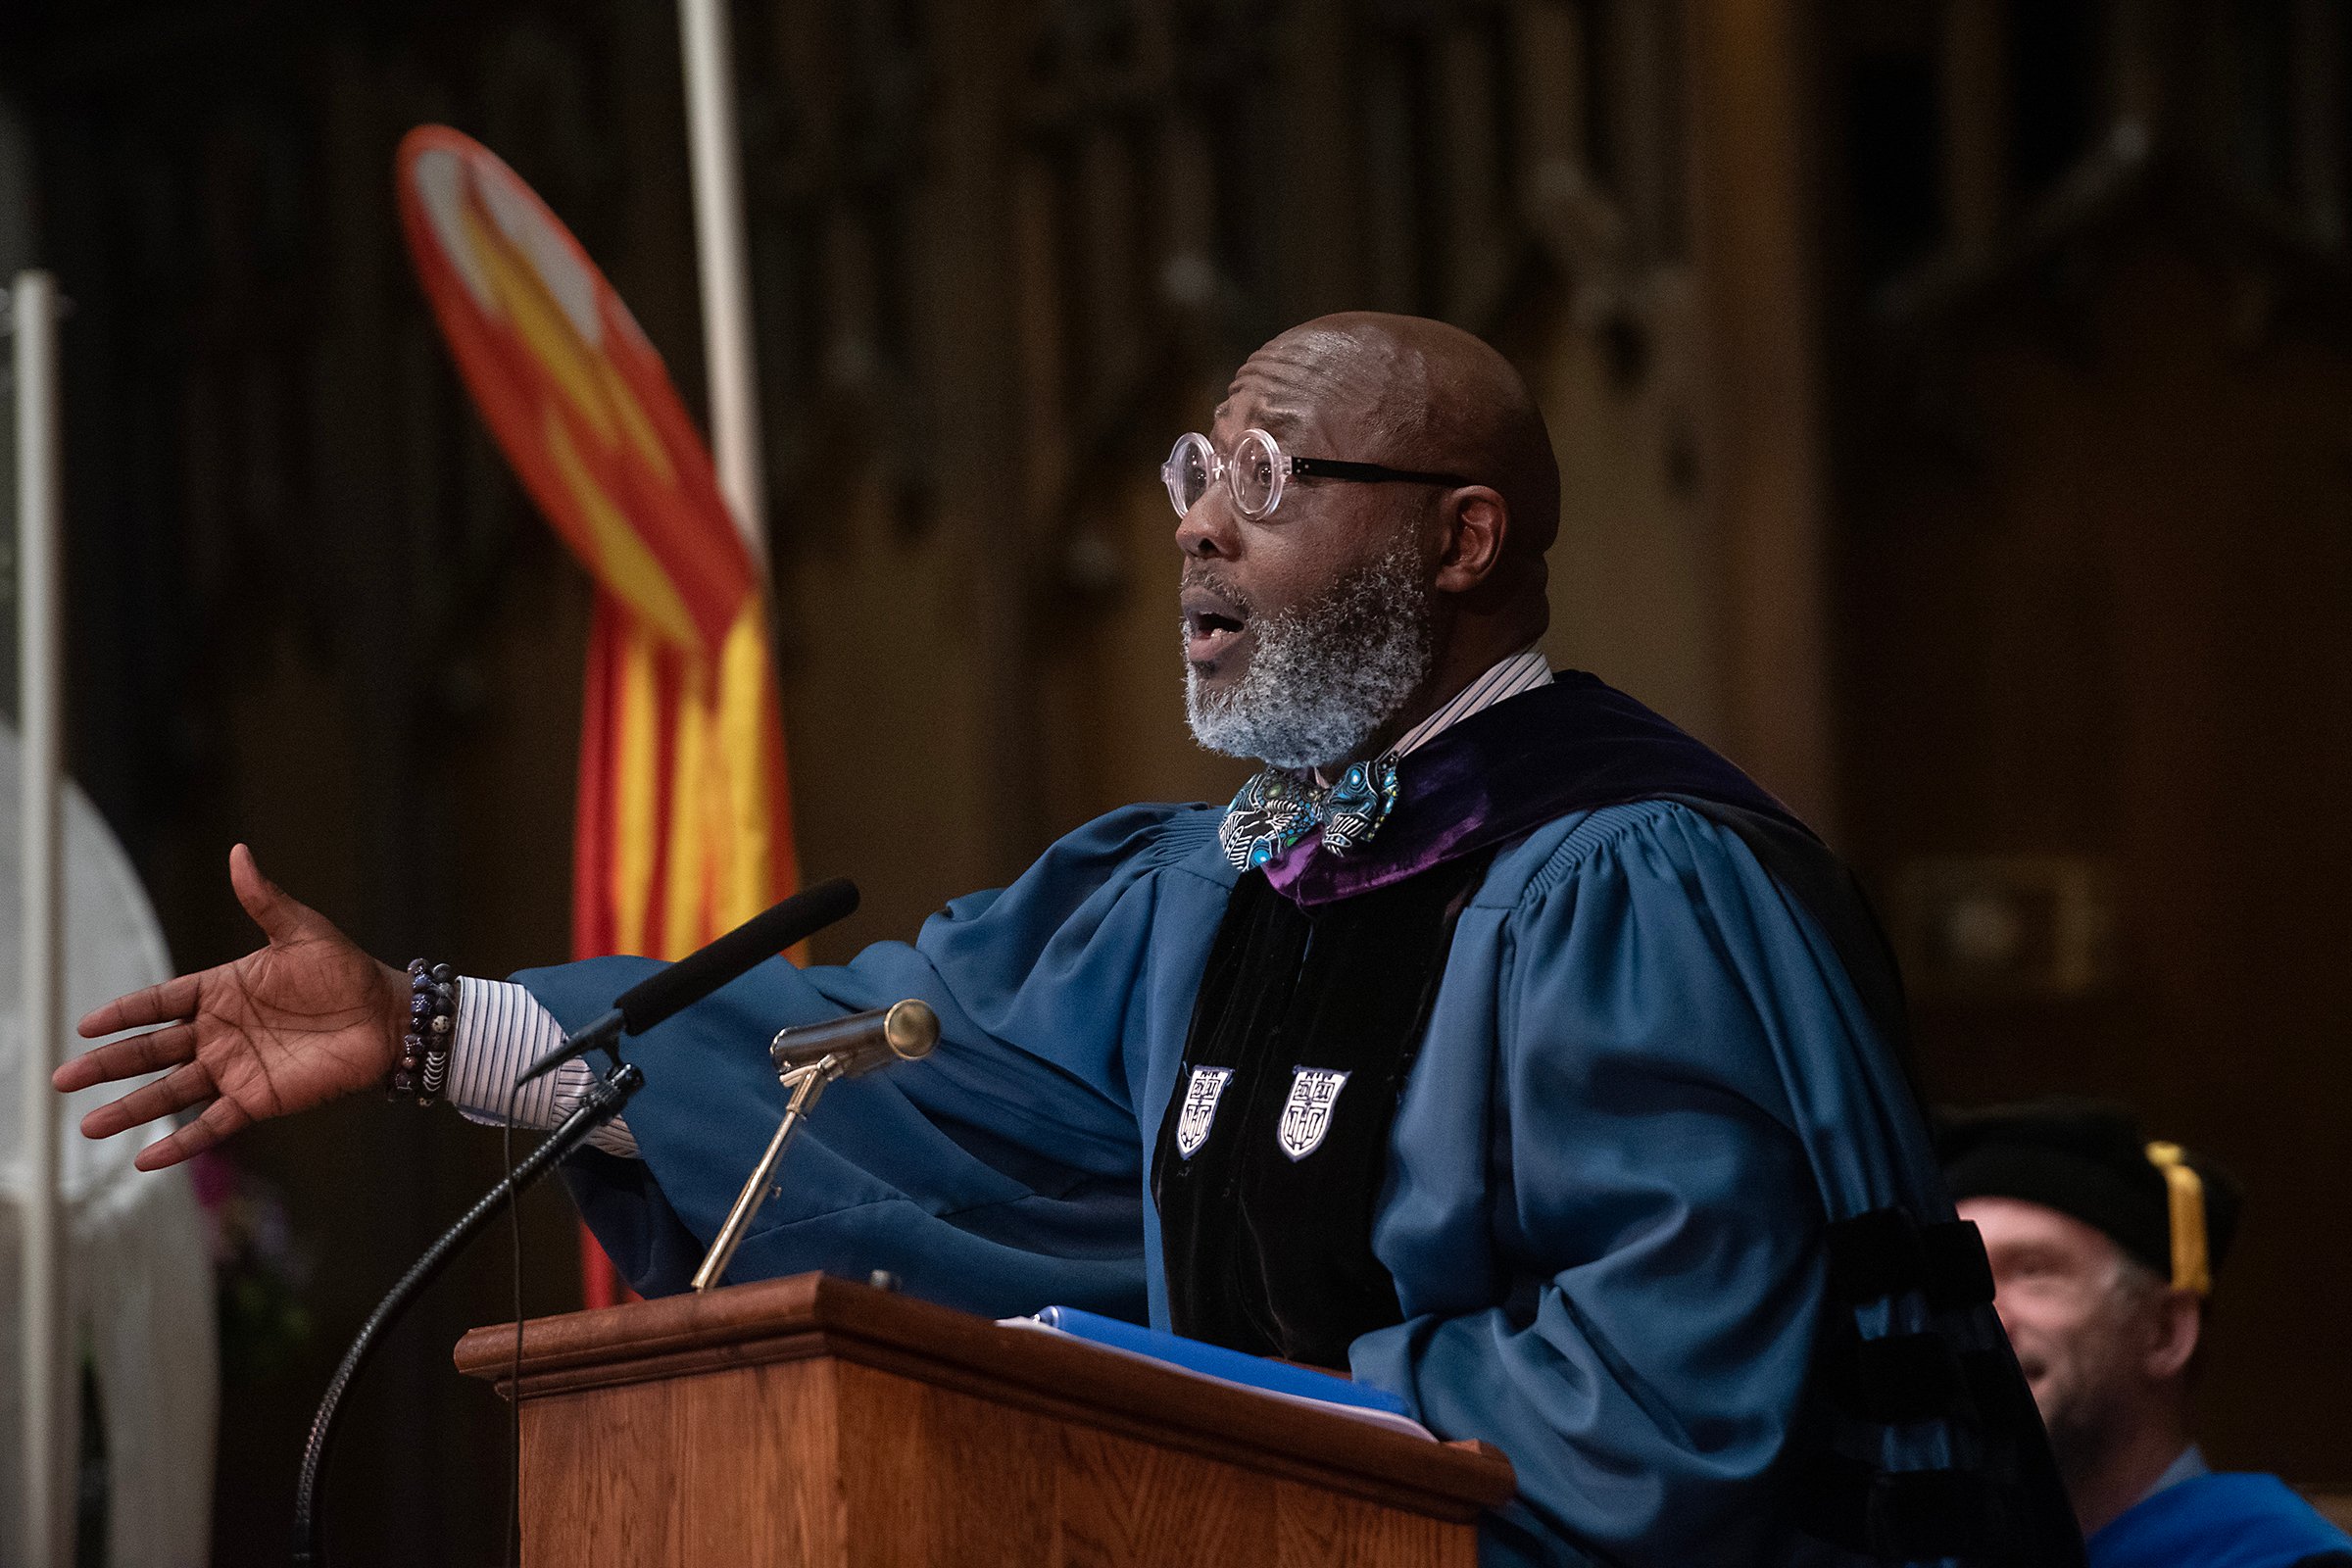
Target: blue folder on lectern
pixel 1223 1365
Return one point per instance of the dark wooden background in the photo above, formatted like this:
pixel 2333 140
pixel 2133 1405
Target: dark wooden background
pixel 1953 400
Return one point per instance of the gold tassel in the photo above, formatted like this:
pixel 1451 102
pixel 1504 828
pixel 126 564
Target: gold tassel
pixel 2186 1190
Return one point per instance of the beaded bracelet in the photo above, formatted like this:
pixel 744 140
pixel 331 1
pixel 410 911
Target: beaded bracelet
pixel 423 1068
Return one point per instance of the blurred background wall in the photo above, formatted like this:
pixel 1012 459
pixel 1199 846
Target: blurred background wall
pixel 1953 398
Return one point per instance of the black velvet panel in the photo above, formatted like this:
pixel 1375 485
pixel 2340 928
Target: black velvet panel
pixel 1268 1247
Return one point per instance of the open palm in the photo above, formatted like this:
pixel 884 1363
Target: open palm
pixel 294 1024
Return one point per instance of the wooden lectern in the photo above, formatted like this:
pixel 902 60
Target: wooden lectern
pixel 811 1421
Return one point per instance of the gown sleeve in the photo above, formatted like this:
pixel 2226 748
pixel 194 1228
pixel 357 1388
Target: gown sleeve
pixel 998 1175
pixel 1650 1198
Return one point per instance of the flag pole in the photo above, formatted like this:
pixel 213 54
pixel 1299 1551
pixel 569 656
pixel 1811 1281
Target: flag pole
pixel 723 266
pixel 48 1523
pixel 724 256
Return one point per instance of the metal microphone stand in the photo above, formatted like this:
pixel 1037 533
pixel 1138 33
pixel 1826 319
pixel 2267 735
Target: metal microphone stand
pixel 807 1059
pixel 805 1081
pixel 600 1104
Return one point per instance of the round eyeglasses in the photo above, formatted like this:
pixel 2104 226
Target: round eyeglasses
pixel 1258 469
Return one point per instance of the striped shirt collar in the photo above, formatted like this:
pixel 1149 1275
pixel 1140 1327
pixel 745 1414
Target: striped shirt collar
pixel 1522 672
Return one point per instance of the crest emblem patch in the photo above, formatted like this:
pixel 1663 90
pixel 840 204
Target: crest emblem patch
pixel 1200 1107
pixel 1307 1114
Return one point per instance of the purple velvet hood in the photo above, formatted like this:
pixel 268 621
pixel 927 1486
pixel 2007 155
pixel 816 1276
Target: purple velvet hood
pixel 1576 745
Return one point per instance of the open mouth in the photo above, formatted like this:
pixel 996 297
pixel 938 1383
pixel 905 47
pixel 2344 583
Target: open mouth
pixel 1212 624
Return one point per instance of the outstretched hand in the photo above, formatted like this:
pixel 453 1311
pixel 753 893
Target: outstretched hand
pixel 300 1022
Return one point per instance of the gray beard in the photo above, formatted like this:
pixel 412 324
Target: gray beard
pixel 1324 675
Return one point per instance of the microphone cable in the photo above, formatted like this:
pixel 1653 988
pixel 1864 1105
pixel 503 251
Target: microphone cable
pixel 510 1520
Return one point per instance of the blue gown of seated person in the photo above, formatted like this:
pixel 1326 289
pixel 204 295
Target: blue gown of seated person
pixel 2228 1520
pixel 1647 1086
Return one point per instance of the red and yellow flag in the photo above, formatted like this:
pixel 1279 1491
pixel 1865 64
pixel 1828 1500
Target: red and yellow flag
pixel 683 827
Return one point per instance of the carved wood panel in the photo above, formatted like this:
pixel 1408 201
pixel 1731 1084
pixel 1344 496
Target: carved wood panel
pixel 2093 577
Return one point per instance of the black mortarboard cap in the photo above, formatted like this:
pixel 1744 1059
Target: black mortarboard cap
pixel 2091 1160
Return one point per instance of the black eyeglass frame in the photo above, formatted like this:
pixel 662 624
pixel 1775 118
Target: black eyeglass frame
pixel 1286 468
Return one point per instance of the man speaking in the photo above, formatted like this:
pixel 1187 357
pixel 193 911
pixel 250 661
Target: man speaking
pixel 1499 1044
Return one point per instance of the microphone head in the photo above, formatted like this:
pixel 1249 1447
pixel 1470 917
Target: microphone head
pixel 910 1029
pixel 680 985
pixel 860 1042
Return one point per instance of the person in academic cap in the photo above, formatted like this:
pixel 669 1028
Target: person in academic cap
pixel 1499 1044
pixel 2104 1246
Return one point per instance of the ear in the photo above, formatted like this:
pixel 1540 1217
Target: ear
pixel 2178 1325
pixel 1477 526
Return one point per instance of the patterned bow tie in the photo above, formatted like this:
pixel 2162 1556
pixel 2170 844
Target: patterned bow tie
pixel 1276 809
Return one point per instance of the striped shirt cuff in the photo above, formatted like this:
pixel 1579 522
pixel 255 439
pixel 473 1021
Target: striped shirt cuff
pixel 501 1030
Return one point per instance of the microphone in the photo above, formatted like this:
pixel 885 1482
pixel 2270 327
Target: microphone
pixel 903 1031
pixel 679 986
pixel 809 1057
pixel 651 1000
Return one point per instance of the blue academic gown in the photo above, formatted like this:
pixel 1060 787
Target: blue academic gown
pixel 1646 1081
pixel 2228 1520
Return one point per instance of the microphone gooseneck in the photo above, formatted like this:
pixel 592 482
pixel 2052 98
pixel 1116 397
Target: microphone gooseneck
pixel 650 1002
pixel 602 1102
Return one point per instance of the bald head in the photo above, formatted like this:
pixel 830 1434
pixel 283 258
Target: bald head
pixel 1431 396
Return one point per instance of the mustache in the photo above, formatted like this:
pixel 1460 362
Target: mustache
pixel 1198 576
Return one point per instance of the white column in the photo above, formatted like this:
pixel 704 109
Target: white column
pixel 48 1383
pixel 725 265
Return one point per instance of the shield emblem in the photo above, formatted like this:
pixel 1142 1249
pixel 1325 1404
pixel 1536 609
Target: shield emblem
pixel 1200 1107
pixel 1307 1114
